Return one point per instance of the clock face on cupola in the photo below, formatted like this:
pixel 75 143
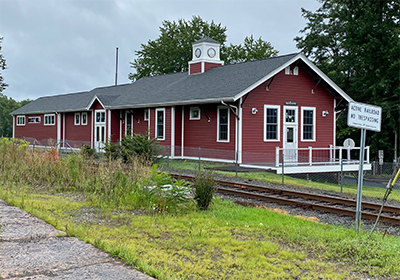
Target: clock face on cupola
pixel 205 55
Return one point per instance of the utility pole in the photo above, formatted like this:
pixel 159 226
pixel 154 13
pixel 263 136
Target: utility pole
pixel 116 65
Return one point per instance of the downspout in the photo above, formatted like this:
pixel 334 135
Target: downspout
pixel 58 127
pixel 13 133
pixel 172 131
pixel 236 128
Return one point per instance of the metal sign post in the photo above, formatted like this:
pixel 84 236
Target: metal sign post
pixel 363 116
pixel 360 179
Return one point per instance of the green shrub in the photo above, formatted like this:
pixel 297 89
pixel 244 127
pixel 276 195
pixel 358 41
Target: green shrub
pixel 139 145
pixel 203 189
pixel 87 151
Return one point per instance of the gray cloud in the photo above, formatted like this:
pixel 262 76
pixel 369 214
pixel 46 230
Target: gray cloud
pixel 63 46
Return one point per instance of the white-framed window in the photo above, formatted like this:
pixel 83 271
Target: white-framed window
pixel 33 119
pixel 146 114
pixel 308 123
pixel 100 116
pixel 272 122
pixel 77 118
pixel 128 123
pixel 160 123
pixel 194 113
pixel 49 119
pixel 223 124
pixel 290 114
pixel 20 120
pixel 84 119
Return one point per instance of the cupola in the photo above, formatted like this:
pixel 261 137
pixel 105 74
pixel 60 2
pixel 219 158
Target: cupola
pixel 205 55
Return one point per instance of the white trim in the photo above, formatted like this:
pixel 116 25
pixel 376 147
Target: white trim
pixel 36 120
pixel 314 124
pixel 156 124
pixel 183 131
pixel 278 132
pixel 121 122
pixel 334 122
pixel 79 119
pixel 46 116
pixel 13 132
pixel 172 132
pixel 92 101
pixel 302 57
pixel 194 109
pixel 59 127
pixel 148 114
pixel 296 114
pixel 240 144
pixel 95 116
pixel 126 124
pixel 229 116
pixel 92 120
pixel 108 122
pixel 63 132
pixel 21 117
pixel 149 125
pixel 84 113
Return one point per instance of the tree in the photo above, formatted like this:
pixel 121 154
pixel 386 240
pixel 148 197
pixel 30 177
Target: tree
pixel 7 105
pixel 3 66
pixel 172 50
pixel 357 43
pixel 251 50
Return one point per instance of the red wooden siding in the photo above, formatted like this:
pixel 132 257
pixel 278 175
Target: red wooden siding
pixel 208 65
pixel 203 133
pixel 140 126
pixel 77 132
pixel 195 68
pixel 178 130
pixel 283 88
pixel 115 126
pixel 39 131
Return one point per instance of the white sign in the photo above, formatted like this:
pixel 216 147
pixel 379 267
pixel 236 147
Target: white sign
pixel 364 116
pixel 380 154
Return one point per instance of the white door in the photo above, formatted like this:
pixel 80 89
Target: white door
pixel 290 136
pixel 100 130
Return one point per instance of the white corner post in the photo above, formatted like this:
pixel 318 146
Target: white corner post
pixel 360 179
pixel 172 131
pixel 58 128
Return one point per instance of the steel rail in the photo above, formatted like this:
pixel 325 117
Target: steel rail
pixel 308 196
pixel 309 205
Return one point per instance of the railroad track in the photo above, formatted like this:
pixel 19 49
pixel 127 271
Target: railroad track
pixel 322 203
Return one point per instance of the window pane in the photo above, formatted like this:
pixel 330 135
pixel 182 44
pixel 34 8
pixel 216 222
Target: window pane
pixel 160 124
pixel 223 124
pixel 289 135
pixel 308 125
pixel 272 124
pixel 290 115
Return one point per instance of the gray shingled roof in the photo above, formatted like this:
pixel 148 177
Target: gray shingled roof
pixel 58 103
pixel 207 40
pixel 225 83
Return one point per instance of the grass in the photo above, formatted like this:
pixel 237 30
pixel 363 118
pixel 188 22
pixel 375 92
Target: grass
pixel 114 211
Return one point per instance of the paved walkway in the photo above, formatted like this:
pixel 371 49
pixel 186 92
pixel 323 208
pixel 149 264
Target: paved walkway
pixel 33 249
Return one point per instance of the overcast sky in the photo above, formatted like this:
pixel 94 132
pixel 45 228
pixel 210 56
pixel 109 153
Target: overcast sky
pixel 64 46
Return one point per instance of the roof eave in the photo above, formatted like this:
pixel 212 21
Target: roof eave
pixel 175 103
pixel 288 63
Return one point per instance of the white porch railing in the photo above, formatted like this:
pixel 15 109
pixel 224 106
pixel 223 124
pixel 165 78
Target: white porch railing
pixel 317 156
